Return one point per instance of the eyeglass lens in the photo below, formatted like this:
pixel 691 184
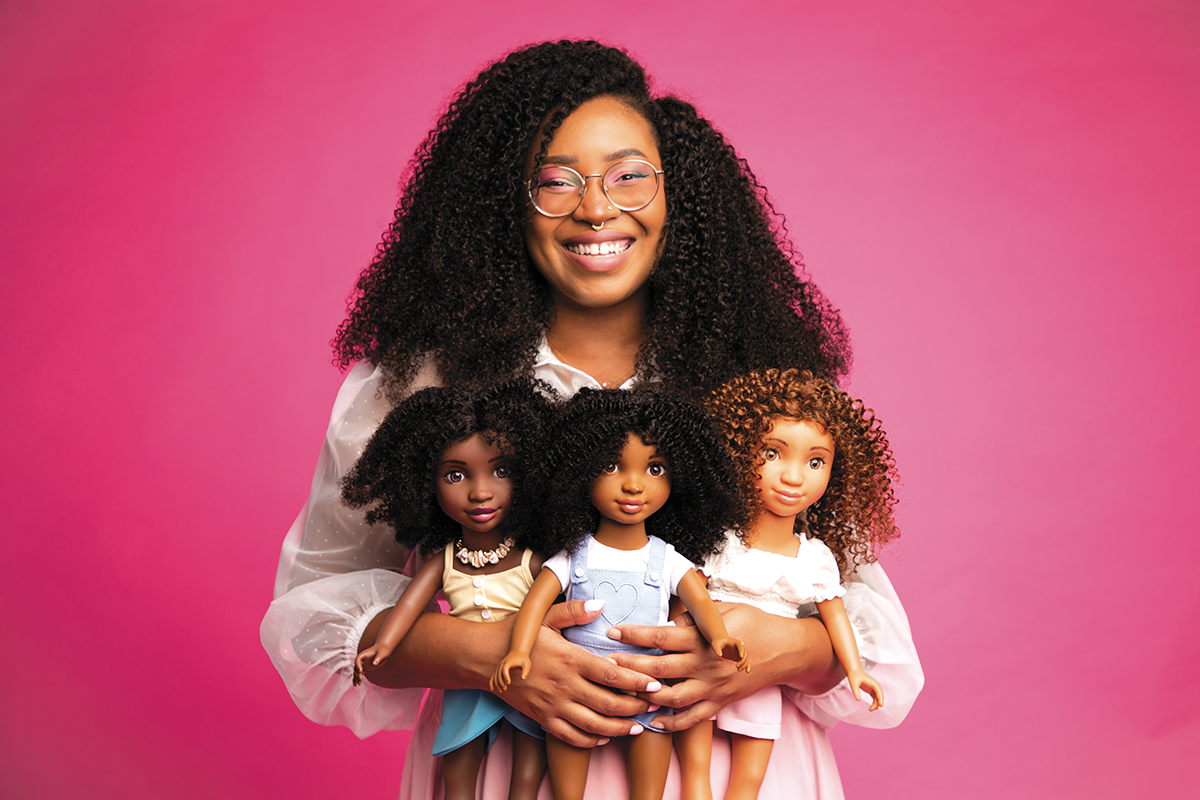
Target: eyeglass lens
pixel 629 185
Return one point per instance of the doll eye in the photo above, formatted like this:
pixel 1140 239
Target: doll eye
pixel 454 476
pixel 611 469
pixel 656 470
pixel 770 454
pixel 816 463
pixel 501 472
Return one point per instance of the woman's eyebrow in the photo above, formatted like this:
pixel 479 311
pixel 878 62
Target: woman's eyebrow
pixel 564 161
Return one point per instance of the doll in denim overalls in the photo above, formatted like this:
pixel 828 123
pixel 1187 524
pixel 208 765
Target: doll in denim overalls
pixel 635 488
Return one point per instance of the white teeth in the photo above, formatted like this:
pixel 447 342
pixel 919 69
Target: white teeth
pixel 599 248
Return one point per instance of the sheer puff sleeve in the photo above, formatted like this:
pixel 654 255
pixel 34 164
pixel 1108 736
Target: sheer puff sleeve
pixel 886 645
pixel 335 574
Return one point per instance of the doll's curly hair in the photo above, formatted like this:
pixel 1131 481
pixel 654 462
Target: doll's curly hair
pixel 854 516
pixel 589 433
pixel 396 475
pixel 452 277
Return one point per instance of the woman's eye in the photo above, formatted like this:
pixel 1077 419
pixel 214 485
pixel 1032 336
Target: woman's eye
pixel 656 470
pixel 816 463
pixel 500 472
pixel 454 476
pixel 770 455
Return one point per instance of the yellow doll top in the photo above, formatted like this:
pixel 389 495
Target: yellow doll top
pixel 485 598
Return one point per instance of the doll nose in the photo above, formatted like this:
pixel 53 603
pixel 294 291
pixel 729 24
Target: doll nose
pixel 632 485
pixel 480 493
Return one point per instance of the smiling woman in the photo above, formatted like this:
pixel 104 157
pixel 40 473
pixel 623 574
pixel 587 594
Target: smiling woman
pixel 481 277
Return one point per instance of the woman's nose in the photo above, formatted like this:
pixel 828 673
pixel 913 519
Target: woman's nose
pixel 595 207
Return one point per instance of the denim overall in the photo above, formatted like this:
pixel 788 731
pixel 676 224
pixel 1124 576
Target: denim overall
pixel 629 598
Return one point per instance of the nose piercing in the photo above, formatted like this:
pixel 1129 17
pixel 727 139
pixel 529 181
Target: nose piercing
pixel 596 227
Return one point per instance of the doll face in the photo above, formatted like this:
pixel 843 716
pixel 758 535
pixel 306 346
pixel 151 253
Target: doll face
pixel 632 489
pixel 598 134
pixel 472 484
pixel 797 459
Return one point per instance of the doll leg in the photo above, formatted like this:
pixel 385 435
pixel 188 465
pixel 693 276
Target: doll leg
pixel 694 747
pixel 568 768
pixel 648 761
pixel 529 764
pixel 748 759
pixel 460 768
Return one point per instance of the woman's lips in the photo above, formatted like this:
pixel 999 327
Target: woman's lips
pixel 600 251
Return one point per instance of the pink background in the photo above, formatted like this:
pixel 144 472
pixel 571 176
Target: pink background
pixel 1000 196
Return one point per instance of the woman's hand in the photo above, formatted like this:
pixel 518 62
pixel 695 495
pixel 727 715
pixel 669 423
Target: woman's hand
pixel 567 687
pixel 789 651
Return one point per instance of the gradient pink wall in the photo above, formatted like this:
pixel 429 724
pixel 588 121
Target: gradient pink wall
pixel 1001 197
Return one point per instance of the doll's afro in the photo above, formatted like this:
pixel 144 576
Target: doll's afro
pixel 396 475
pixel 588 434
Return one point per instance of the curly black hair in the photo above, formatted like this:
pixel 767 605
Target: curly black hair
pixel 453 278
pixel 590 431
pixel 396 474
pixel 855 515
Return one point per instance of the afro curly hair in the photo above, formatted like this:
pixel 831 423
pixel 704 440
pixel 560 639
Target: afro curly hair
pixel 590 431
pixel 396 474
pixel 855 515
pixel 453 278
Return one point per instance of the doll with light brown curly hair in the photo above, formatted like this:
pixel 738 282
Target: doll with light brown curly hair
pixel 817 472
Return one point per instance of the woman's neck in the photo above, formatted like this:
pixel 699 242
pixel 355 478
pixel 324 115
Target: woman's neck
pixel 603 342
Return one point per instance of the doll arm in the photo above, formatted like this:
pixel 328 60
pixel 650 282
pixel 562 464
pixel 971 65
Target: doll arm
pixel 841 635
pixel 411 604
pixel 704 611
pixel 545 589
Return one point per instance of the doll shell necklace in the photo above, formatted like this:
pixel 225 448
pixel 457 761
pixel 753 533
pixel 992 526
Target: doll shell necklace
pixel 477 558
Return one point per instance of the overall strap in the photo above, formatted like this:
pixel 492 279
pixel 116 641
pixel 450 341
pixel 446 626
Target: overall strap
pixel 654 565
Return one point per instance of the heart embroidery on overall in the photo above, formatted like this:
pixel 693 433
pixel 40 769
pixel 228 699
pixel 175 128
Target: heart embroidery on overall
pixel 619 601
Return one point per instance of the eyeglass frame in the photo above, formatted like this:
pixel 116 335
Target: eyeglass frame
pixel 603 186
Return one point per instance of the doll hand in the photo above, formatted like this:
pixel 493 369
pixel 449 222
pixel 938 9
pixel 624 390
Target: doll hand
pixel 732 649
pixel 501 680
pixel 859 678
pixel 370 659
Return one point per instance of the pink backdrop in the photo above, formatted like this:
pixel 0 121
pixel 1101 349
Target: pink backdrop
pixel 1000 196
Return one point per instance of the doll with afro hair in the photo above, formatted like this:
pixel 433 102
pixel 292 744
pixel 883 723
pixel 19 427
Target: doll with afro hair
pixel 442 469
pixel 816 468
pixel 629 478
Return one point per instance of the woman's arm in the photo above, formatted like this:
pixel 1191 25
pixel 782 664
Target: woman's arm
pixel 566 688
pixel 788 651
pixel 400 619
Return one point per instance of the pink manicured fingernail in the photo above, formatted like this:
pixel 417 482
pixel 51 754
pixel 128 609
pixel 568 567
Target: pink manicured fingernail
pixel 653 707
pixel 593 605
pixel 653 686
pixel 636 729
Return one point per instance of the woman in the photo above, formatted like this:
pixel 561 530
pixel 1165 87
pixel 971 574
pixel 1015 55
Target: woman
pixel 560 222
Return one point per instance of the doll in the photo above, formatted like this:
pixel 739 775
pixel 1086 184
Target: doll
pixel 818 473
pixel 638 487
pixel 443 469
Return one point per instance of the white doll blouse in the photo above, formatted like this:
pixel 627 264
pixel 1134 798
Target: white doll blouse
pixel 780 584
pixel 336 573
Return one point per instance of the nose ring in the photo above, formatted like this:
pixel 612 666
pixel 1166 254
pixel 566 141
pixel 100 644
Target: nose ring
pixel 596 227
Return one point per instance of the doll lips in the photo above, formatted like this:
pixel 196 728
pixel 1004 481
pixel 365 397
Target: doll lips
pixel 630 506
pixel 481 514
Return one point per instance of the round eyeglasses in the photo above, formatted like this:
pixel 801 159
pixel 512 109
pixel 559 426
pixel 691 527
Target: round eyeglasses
pixel 629 185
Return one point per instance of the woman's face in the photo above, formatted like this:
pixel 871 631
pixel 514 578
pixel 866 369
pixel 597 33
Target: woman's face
pixel 472 484
pixel 599 133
